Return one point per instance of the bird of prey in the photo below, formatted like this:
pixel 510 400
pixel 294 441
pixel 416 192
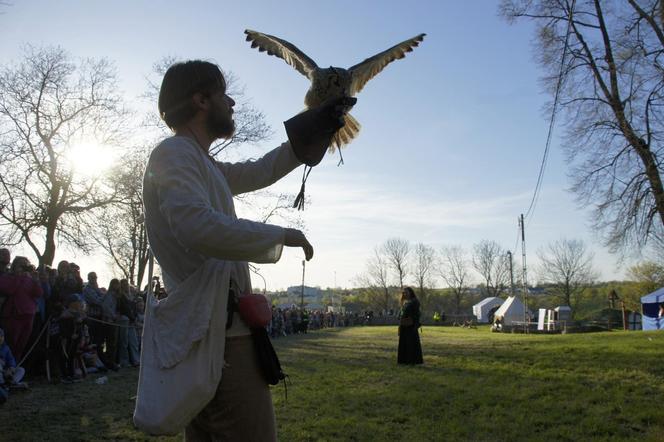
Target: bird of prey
pixel 332 82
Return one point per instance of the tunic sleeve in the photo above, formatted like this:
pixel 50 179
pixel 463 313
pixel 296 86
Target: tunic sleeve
pixel 183 197
pixel 253 175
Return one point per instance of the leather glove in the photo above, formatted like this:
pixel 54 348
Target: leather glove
pixel 310 133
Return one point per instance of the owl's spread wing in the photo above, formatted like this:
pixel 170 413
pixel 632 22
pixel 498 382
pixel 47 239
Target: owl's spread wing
pixel 282 49
pixel 369 68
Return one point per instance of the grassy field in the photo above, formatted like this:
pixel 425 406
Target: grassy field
pixel 346 386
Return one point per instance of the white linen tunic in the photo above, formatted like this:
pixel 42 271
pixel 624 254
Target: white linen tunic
pixel 190 216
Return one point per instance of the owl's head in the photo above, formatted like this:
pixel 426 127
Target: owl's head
pixel 336 80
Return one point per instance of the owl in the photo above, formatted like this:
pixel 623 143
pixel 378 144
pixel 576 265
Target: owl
pixel 332 82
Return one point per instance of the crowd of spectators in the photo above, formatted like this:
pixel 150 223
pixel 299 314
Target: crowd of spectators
pixel 292 320
pixel 53 323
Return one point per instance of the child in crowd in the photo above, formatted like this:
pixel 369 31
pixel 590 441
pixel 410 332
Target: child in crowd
pixel 10 374
pixel 87 354
pixel 71 333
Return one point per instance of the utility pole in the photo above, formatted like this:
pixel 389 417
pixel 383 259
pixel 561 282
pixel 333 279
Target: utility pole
pixel 525 275
pixel 509 256
pixel 302 293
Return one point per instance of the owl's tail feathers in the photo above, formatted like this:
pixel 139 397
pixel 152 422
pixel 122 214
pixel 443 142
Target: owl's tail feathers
pixel 346 134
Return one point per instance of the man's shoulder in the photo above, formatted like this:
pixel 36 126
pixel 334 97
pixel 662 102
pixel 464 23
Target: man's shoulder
pixel 171 154
pixel 175 145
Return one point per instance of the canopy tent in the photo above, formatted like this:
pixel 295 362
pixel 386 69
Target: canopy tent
pixel 563 313
pixel 483 310
pixel 650 306
pixel 511 311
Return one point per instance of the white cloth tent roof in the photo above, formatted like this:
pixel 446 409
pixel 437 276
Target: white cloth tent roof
pixel 650 307
pixel 511 311
pixel 481 309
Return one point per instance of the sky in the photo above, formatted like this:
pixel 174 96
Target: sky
pixel 452 135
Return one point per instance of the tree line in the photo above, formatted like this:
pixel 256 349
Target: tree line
pixel 565 271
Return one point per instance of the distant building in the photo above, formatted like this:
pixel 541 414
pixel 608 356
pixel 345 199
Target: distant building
pixel 309 292
pixel 536 291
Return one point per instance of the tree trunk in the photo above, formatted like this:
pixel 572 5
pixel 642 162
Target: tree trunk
pixel 49 248
pixel 652 172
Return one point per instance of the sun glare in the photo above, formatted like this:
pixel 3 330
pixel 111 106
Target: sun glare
pixel 91 159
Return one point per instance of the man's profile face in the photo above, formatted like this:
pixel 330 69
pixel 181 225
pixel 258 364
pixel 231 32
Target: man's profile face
pixel 219 122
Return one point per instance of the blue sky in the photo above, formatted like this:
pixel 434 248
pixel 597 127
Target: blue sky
pixel 452 135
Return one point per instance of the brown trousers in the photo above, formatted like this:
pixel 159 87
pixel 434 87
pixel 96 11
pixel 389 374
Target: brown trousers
pixel 241 410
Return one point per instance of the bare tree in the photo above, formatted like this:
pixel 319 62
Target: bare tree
pixel 270 206
pixel 48 102
pixel 454 269
pixel 377 280
pixel 120 230
pixel 567 265
pixel 425 262
pixel 649 275
pixel 491 262
pixel 396 251
pixel 656 252
pixel 612 98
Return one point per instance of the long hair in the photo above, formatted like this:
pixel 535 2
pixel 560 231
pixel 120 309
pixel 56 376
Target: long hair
pixel 114 285
pixel 19 264
pixel 407 294
pixel 63 268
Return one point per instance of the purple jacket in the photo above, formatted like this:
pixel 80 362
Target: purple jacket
pixel 22 292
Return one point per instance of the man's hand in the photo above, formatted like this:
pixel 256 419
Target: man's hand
pixel 295 238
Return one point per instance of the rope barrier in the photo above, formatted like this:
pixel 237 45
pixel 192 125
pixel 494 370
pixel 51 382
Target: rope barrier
pixel 113 323
pixel 34 344
pixel 48 323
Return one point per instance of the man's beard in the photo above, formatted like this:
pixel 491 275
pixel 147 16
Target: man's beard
pixel 220 125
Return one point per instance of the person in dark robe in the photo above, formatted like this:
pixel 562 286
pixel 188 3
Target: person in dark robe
pixel 410 350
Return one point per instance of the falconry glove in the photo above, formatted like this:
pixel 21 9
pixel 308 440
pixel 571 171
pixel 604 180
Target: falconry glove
pixel 310 134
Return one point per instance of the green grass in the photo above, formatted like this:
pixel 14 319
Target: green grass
pixel 346 385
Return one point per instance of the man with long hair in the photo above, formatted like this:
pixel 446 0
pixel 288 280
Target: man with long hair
pixel 191 225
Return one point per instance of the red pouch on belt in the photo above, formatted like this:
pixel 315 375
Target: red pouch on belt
pixel 255 310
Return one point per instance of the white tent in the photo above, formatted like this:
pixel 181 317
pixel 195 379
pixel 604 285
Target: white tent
pixel 650 306
pixel 482 309
pixel 511 311
pixel 563 313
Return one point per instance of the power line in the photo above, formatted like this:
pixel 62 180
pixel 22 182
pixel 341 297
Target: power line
pixel 538 186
